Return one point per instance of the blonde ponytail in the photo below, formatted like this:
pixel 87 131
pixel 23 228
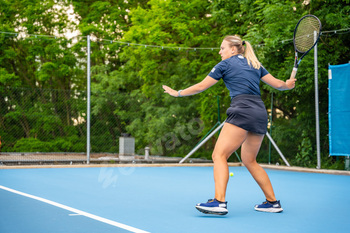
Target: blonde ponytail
pixel 250 55
pixel 247 51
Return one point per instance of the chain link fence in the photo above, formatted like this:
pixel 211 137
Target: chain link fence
pixel 41 120
pixel 48 125
pixel 44 125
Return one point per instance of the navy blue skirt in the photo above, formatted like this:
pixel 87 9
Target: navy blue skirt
pixel 248 112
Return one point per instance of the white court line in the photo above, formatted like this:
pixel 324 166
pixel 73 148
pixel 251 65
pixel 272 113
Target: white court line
pixel 79 212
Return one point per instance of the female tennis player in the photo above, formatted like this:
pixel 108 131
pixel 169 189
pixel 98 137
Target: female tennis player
pixel 246 122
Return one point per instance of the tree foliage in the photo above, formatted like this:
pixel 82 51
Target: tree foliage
pixel 139 45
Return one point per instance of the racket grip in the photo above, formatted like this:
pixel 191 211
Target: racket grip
pixel 294 72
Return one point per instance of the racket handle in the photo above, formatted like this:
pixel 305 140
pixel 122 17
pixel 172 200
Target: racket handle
pixel 294 72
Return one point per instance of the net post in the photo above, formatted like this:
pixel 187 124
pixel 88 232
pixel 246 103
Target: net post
pixel 278 150
pixel 88 103
pixel 316 105
pixel 218 100
pixel 270 126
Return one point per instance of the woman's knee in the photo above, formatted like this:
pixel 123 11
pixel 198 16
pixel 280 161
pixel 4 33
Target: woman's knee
pixel 248 161
pixel 218 156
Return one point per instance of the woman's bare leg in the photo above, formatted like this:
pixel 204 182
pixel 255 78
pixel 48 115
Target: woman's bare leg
pixel 249 151
pixel 230 139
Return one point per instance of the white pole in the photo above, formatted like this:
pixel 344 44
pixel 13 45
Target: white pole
pixel 88 103
pixel 217 129
pixel 278 149
pixel 316 106
pixel 202 142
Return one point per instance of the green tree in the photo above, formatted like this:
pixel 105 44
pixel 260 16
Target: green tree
pixel 33 71
pixel 173 25
pixel 42 78
pixel 269 26
pixel 106 22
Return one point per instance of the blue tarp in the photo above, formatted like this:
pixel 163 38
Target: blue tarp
pixel 339 109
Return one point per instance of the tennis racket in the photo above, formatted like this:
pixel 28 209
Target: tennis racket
pixel 306 35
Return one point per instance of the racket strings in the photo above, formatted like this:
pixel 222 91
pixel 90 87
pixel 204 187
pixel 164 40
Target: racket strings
pixel 304 36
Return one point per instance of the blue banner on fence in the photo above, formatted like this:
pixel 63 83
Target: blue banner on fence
pixel 339 109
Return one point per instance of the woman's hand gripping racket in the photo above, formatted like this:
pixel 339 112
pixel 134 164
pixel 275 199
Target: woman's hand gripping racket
pixel 306 34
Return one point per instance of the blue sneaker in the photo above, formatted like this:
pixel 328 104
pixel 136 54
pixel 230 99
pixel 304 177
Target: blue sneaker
pixel 213 206
pixel 269 207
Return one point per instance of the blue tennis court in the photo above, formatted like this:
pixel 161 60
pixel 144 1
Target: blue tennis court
pixel 162 199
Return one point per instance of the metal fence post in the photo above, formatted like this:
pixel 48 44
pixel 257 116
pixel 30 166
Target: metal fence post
pixel 316 106
pixel 88 103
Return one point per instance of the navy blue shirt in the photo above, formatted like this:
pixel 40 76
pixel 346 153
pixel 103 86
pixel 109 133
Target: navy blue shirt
pixel 238 76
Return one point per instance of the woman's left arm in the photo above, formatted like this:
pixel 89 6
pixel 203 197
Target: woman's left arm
pixel 279 84
pixel 192 90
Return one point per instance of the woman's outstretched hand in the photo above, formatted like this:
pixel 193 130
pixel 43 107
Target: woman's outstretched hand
pixel 170 91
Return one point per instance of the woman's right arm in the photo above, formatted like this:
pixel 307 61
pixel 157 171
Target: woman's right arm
pixel 279 84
